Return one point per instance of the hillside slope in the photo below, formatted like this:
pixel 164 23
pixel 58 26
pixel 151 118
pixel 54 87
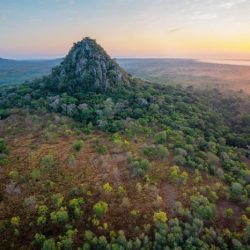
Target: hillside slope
pixel 114 162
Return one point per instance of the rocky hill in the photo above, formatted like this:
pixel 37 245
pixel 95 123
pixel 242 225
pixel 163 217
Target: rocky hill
pixel 88 66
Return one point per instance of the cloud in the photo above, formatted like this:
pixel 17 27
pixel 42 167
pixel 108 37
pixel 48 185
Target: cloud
pixel 230 4
pixel 199 15
pixel 174 30
pixel 227 5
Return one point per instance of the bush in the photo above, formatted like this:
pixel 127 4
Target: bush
pixel 229 213
pixel 180 160
pixel 101 149
pixel 41 220
pixel 60 216
pixel 57 200
pixel 77 145
pixel 100 208
pixel 138 166
pixel 4 114
pixel 49 245
pixel 155 151
pixel 15 221
pixel 202 208
pixel 3 148
pixel 43 210
pixel 236 190
pixel 161 137
pixel 76 204
pixel 14 175
pixel 177 176
pixel 39 239
pixel 160 217
pixel 134 213
pixel 107 188
pixel 180 151
pixel 122 191
pixel 35 174
pixel 48 162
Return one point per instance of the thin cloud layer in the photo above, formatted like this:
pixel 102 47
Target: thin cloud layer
pixel 127 27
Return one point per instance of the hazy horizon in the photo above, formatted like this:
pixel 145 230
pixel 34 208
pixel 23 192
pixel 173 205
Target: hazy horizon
pixel 226 61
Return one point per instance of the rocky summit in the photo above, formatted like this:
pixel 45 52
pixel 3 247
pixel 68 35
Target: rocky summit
pixel 88 66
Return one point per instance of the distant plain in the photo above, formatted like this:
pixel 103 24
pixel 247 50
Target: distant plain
pixel 187 72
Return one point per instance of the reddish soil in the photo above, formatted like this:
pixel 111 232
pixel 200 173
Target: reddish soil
pixel 170 194
pixel 233 222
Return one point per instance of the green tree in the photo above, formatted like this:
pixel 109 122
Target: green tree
pixel 202 208
pixel 100 208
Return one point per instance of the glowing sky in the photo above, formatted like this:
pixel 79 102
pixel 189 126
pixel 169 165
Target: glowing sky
pixel 126 28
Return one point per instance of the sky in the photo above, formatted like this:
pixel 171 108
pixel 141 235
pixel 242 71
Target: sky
pixel 34 29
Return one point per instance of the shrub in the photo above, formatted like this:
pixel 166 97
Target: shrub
pixel 72 161
pixel 3 152
pixel 229 213
pixel 121 190
pixel 101 149
pixel 177 176
pixel 134 213
pixel 42 210
pixel 57 200
pixel 15 221
pixel 138 187
pixel 60 216
pixel 66 241
pixel 197 177
pixel 155 152
pixel 202 208
pixel 180 160
pixel 76 204
pixel 88 235
pixel 49 245
pixel 41 220
pixel 48 162
pixel 3 148
pixel 4 113
pixel 248 211
pixel 36 174
pixel 100 208
pixel 39 239
pixel 14 174
pixel 138 166
pixel 77 145
pixel 236 190
pixel 180 151
pixel 160 217
pixel 161 137
pixel 107 188
pixel 125 202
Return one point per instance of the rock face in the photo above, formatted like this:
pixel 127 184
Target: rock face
pixel 87 66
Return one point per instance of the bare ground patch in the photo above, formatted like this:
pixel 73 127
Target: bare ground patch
pixel 233 222
pixel 170 194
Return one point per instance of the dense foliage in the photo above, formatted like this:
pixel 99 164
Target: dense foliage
pixel 198 132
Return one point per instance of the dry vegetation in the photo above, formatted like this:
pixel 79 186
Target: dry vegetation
pixel 27 180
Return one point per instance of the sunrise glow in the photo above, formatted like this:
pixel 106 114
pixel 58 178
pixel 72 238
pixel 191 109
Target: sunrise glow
pixel 144 28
